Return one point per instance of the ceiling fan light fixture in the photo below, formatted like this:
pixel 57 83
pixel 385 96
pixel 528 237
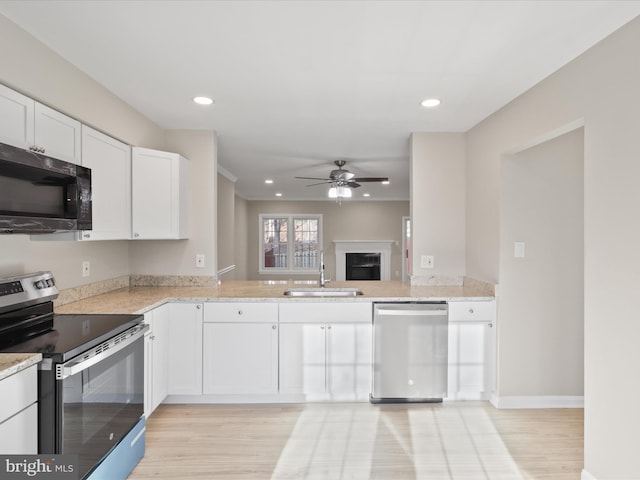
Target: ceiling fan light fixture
pixel 430 102
pixel 339 192
pixel 386 182
pixel 268 181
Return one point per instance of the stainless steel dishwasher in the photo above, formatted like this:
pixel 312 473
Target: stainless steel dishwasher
pixel 410 346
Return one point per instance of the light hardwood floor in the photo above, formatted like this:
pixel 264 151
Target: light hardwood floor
pixel 454 440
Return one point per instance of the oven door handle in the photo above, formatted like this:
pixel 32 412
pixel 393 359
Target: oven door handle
pixel 101 352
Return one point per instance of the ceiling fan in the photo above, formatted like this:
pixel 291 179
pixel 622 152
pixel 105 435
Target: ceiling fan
pixel 343 178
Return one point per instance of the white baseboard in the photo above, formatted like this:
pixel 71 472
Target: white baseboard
pixel 587 476
pixel 542 401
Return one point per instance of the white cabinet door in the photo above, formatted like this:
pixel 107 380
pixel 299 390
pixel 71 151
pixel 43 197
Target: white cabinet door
pixel 471 374
pixel 57 134
pixel 303 359
pixel 19 412
pixel 184 348
pixel 159 195
pixel 19 434
pixel 148 368
pixel 16 118
pixel 326 361
pixel 156 358
pixel 27 124
pixel 110 164
pixel 349 361
pixel 240 358
pixel 325 350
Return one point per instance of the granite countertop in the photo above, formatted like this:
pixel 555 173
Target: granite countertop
pixel 11 363
pixel 141 299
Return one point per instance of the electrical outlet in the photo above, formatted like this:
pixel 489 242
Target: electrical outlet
pixel 426 261
pixel 86 268
pixel 518 249
pixel 200 260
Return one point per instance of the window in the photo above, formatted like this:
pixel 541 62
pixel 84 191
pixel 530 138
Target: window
pixel 290 243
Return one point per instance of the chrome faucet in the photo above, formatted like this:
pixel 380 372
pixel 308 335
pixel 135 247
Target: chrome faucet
pixel 322 280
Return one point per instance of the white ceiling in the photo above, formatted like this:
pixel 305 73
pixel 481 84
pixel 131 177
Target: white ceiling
pixel 298 84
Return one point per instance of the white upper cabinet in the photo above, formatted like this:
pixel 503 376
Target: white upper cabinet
pixel 57 134
pixel 160 195
pixel 28 124
pixel 16 118
pixel 110 164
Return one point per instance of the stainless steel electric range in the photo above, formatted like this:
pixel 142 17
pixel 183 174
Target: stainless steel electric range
pixel 91 378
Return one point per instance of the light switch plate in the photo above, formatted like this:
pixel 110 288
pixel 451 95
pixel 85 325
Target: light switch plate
pixel 518 249
pixel 86 268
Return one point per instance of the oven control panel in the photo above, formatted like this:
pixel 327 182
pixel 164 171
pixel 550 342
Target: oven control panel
pixel 23 290
pixel 9 288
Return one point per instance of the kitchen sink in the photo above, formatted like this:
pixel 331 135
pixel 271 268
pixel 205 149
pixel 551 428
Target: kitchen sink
pixel 323 292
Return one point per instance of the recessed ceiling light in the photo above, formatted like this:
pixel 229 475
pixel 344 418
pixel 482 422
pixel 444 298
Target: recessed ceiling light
pixel 203 100
pixel 386 182
pixel 430 102
pixel 268 181
pixel 366 195
pixel 278 194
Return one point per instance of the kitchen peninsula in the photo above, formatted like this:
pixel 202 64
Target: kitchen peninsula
pixel 246 342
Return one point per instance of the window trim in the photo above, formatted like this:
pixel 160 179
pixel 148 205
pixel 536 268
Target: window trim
pixel 290 243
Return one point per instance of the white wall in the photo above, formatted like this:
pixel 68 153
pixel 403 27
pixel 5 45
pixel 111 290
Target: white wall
pixel 541 307
pixel 241 237
pixel 226 225
pixel 599 88
pixel 438 203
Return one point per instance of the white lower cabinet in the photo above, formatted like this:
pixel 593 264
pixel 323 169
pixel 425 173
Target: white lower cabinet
pixel 325 350
pixel 240 353
pixel 184 349
pixel 472 327
pixel 156 359
pixel 19 413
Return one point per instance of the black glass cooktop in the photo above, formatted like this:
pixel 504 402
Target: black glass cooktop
pixel 74 334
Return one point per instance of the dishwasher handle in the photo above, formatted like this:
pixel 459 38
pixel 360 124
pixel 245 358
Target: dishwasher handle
pixel 411 313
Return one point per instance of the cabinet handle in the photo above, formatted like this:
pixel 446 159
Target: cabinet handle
pixel 471 311
pixel 273 327
pixel 136 235
pixel 87 235
pixel 153 337
pixel 321 327
pixel 328 327
pixel 239 312
pixel 198 307
pixel 42 150
pixel 490 325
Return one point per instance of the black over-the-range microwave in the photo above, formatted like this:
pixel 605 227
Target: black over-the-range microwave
pixel 40 194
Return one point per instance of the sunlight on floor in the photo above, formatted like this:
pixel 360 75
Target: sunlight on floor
pixel 431 442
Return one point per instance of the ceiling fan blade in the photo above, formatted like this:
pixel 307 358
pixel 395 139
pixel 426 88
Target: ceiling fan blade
pixel 321 183
pixel 370 179
pixel 313 178
pixel 353 184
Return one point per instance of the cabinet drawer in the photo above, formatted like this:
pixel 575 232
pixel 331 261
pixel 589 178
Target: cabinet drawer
pixel 18 391
pixel 321 312
pixel 472 311
pixel 241 312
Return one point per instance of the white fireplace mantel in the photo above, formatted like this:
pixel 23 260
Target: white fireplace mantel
pixel 342 247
